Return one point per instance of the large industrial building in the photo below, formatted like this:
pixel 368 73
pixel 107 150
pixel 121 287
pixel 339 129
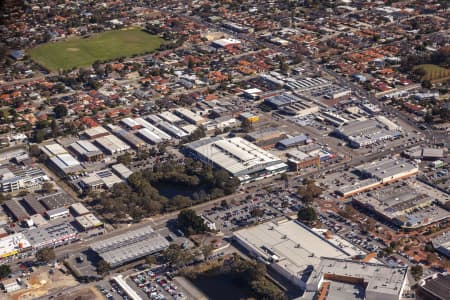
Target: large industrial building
pixel 111 144
pixel 377 173
pixel 65 164
pixel 130 246
pixel 388 169
pixel 361 133
pixel 321 266
pixel 405 204
pixel 291 248
pixel 86 150
pixel 352 280
pixel 237 156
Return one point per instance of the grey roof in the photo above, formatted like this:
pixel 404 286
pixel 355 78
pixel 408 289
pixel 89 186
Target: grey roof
pixel 438 286
pixel 16 209
pixel 378 279
pixel 281 100
pixel 130 246
pixel 49 234
pixel 33 202
pixel 289 142
pixel 56 200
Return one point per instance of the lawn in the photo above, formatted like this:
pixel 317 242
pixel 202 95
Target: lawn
pixel 82 52
pixel 433 72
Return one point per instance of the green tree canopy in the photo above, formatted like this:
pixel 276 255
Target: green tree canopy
pixel 307 214
pixel 45 255
pixel 190 223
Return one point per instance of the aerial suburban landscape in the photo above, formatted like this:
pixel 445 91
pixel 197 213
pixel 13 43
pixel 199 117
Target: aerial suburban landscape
pixel 220 149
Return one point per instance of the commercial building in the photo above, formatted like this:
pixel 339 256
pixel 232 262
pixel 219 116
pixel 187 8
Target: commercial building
pixel 60 212
pixel 293 141
pixel 149 136
pixel 332 118
pixel 172 129
pixel 16 210
pixel 122 171
pixel 307 84
pixel 96 132
pixel 237 156
pixel 112 145
pixel 377 173
pixel 388 169
pixel 164 136
pixel 223 43
pixel 189 116
pixel 53 235
pixel 14 178
pixel 65 165
pixel 441 243
pixel 129 138
pixel 435 287
pixel 292 249
pixel 103 179
pixel 266 138
pixel 78 209
pixel 300 108
pixel 364 133
pixel 405 204
pixel 11 285
pixel 348 279
pixel 12 244
pixel 130 123
pixel 56 200
pixel 250 117
pixel 280 101
pixel 170 117
pixel 130 246
pixel 53 149
pixel 88 222
pixel 86 150
pixel 426 153
pixel 33 204
pixel 298 160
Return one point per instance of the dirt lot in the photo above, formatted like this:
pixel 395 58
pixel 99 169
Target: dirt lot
pixel 41 283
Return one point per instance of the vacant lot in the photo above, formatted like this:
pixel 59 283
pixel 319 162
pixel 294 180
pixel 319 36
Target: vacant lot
pixel 433 72
pixel 82 52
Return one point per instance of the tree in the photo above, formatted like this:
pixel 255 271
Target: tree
pixel 224 203
pixel 124 159
pixel 307 214
pixel 4 271
pixel 60 111
pixel 257 212
pixel 176 256
pixel 103 267
pixel 207 250
pixel 190 223
pixel 150 259
pixel 416 272
pixel 47 187
pixel 45 255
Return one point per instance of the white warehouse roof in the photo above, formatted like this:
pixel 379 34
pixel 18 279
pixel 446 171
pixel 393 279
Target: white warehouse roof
pixel 112 144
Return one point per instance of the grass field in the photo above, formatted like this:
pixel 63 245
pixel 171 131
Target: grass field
pixel 82 52
pixel 433 72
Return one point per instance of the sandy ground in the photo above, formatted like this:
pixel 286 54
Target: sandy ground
pixel 41 283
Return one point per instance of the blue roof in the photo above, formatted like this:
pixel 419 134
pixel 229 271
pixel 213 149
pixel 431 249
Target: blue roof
pixel 294 140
